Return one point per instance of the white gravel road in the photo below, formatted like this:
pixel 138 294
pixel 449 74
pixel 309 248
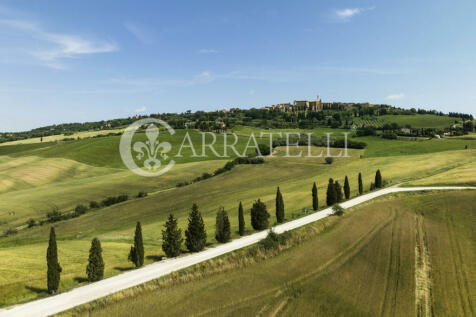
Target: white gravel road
pixel 93 291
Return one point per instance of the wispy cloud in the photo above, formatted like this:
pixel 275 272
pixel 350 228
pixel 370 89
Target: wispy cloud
pixel 142 33
pixel 54 47
pixel 396 96
pixel 251 92
pixel 208 51
pixel 347 13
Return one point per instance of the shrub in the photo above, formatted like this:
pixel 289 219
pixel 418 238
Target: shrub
pixel 338 210
pixel 329 160
pixel 93 204
pixel 10 231
pixel 31 223
pixel 264 150
pixel 80 209
pixel 141 194
pixel 273 240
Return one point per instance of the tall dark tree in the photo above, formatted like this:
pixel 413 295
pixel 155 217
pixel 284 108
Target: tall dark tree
pixel 259 215
pixel 378 179
pixel 331 195
pixel 222 233
pixel 241 220
pixel 53 267
pixel 95 268
pixel 361 186
pixel 315 199
pixel 136 254
pixel 339 195
pixel 195 235
pixel 171 238
pixel 279 207
pixel 346 188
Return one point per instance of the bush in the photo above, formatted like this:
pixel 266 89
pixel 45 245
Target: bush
pixel 93 204
pixel 273 240
pixel 390 136
pixel 80 209
pixel 141 194
pixel 10 231
pixel 329 160
pixel 264 150
pixel 114 200
pixel 338 210
pixel 31 223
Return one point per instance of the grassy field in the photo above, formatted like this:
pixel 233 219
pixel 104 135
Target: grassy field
pixel 36 177
pixel 367 263
pixel 59 137
pixel 420 120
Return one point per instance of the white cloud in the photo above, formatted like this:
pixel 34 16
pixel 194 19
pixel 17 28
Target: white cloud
pixel 141 109
pixel 347 13
pixel 208 51
pixel 140 32
pixel 251 92
pixel 396 96
pixel 56 46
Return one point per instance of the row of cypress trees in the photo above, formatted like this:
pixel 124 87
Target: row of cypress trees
pixel 195 235
pixel 334 192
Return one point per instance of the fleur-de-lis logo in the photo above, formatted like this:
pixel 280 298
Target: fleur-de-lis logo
pixel 152 148
pixel 151 151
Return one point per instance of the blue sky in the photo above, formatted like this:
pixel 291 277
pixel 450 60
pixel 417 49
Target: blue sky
pixel 70 61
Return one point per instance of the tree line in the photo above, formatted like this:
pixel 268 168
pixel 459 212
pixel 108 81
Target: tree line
pixel 196 234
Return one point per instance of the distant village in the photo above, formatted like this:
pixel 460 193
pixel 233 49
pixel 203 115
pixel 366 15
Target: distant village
pixel 307 105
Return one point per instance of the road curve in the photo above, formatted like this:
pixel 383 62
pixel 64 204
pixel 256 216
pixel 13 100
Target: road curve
pixel 93 291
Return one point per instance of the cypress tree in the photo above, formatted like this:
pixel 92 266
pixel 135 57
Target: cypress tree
pixel 315 199
pixel 339 195
pixel 241 220
pixel 346 188
pixel 171 238
pixel 136 254
pixel 259 215
pixel 331 195
pixel 361 186
pixel 222 233
pixel 95 268
pixel 53 267
pixel 378 179
pixel 279 207
pixel 195 235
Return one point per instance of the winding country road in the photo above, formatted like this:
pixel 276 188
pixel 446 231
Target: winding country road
pixel 93 291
